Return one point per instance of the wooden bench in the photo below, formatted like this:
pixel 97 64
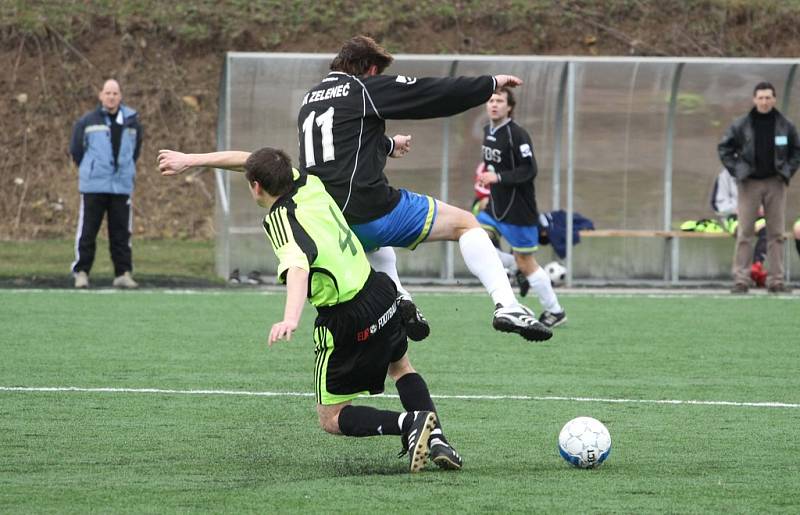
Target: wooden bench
pixel 672 250
pixel 635 233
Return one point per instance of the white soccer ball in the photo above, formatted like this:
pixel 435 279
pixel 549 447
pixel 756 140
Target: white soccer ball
pixel 556 272
pixel 584 442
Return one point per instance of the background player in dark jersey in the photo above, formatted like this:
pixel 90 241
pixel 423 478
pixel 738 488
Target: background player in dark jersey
pixel 358 335
pixel 511 212
pixel 341 126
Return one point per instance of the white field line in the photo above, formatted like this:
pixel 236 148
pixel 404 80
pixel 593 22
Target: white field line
pixel 25 389
pixel 652 293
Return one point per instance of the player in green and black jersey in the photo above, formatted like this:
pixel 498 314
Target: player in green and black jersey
pixel 510 169
pixel 358 335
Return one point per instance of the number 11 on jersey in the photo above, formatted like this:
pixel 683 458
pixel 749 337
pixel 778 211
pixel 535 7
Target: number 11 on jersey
pixel 325 123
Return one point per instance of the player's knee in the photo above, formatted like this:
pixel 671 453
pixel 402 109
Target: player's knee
pixel 400 368
pixel 399 372
pixel 330 427
pixel 329 421
pixel 470 222
pixel 329 424
pixel 465 222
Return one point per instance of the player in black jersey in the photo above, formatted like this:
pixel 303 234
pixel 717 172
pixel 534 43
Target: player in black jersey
pixel 341 127
pixel 510 168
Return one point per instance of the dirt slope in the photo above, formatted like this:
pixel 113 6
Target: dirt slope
pixel 54 61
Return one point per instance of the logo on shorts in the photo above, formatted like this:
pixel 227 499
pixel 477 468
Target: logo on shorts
pixel 364 334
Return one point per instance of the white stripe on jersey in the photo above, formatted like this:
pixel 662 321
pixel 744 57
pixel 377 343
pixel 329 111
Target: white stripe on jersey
pixel 358 150
pixel 364 88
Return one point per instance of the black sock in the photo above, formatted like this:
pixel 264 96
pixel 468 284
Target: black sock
pixel 797 244
pixel 366 421
pixel 414 393
pixel 415 396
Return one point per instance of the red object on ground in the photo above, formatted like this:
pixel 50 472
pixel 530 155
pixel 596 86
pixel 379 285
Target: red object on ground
pixel 758 274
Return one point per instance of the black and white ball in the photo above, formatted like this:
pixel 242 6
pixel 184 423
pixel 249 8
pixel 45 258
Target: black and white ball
pixel 556 272
pixel 584 442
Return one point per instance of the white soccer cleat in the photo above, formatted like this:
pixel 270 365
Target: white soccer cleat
pixel 520 319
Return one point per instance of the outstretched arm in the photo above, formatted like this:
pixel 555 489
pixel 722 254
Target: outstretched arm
pixel 171 162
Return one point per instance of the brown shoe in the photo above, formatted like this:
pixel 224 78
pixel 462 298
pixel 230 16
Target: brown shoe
pixel 778 289
pixel 739 289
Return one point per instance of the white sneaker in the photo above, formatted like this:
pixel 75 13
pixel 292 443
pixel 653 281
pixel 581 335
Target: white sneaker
pixel 81 280
pixel 521 320
pixel 125 281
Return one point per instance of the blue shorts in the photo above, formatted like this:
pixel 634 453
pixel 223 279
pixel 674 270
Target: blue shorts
pixel 407 225
pixel 522 238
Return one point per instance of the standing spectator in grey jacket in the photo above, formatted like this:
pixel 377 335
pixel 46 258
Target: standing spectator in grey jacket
pixel 762 151
pixel 105 146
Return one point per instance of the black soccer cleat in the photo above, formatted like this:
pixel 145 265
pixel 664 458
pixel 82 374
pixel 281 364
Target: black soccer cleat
pixel 523 283
pixel 552 320
pixel 416 439
pixel 417 327
pixel 445 457
pixel 521 320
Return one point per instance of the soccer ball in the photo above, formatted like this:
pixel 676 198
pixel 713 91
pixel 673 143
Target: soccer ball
pixel 584 442
pixel 556 272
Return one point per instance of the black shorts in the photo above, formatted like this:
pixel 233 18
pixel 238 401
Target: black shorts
pixel 355 341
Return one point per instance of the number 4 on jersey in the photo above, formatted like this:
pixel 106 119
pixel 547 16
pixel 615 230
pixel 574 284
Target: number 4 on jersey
pixel 345 234
pixel 325 123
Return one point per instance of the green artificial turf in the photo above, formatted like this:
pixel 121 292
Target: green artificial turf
pixel 502 402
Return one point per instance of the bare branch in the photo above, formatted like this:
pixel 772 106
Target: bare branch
pixel 69 46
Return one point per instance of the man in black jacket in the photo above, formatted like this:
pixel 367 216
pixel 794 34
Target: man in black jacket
pixel 762 151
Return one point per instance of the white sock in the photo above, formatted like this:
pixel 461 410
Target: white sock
pixel 541 285
pixel 507 259
pixel 482 260
pixel 384 260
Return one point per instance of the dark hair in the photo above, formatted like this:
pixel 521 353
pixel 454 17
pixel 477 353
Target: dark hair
pixel 509 98
pixel 358 54
pixel 272 169
pixel 764 85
